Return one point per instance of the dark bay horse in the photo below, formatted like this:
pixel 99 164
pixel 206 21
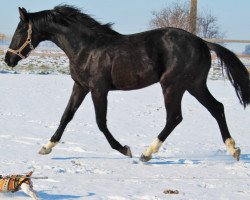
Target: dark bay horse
pixel 102 59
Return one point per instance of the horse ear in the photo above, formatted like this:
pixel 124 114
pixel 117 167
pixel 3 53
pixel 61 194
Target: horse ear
pixel 23 14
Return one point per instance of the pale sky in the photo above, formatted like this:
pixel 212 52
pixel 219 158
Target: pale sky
pixel 131 16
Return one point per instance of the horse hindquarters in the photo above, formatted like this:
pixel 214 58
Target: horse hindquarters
pixel 181 69
pixel 174 82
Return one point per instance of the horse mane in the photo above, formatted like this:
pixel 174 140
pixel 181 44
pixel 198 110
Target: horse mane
pixel 67 15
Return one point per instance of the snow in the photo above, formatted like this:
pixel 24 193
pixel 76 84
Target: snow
pixel 193 160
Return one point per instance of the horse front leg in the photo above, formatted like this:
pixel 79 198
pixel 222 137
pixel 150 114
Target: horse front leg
pixel 100 104
pixel 76 98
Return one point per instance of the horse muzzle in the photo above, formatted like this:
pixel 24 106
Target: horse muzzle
pixel 11 59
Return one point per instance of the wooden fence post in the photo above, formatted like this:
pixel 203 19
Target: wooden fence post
pixel 193 16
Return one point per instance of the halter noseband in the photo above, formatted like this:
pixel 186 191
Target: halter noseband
pixel 27 42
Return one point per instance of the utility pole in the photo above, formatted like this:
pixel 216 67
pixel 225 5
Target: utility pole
pixel 193 16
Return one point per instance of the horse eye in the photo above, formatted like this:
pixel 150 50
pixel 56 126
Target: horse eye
pixel 18 31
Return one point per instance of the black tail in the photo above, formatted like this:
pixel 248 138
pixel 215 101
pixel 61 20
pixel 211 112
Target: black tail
pixel 236 71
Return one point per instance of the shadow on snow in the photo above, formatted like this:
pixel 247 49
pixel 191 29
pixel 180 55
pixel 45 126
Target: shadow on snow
pixel 245 158
pixel 46 196
pixel 217 157
pixel 89 158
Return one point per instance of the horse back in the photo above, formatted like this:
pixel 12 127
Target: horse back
pixel 142 59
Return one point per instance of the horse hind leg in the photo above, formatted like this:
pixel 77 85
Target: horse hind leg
pixel 172 99
pixel 216 109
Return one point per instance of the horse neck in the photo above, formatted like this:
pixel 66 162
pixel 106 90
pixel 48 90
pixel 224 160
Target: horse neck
pixel 66 38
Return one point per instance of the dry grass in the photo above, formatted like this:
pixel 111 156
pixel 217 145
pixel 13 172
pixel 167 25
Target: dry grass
pixel 47 54
pixel 43 54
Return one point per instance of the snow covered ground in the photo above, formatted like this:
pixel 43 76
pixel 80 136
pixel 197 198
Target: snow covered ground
pixel 193 160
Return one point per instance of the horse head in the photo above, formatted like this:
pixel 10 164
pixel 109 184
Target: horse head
pixel 25 39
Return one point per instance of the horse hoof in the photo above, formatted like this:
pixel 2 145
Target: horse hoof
pixel 144 158
pixel 236 154
pixel 127 151
pixel 44 151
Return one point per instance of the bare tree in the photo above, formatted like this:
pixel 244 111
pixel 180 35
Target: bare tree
pixel 178 15
pixel 207 26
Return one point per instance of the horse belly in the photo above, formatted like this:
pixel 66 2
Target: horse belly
pixel 133 77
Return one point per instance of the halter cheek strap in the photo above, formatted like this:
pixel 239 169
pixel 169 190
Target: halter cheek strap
pixel 27 42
